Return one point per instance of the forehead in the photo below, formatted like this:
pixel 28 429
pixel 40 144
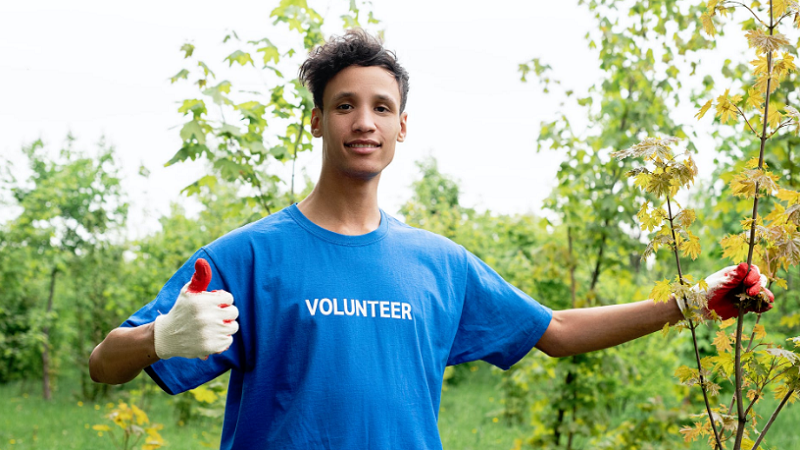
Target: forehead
pixel 362 82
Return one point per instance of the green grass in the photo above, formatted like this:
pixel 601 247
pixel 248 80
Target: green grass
pixel 467 418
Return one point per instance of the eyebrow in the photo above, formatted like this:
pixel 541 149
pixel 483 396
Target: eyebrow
pixel 380 97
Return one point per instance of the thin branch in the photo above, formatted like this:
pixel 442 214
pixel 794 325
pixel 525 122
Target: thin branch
pixel 747 121
pixel 692 327
pixel 751 11
pixel 753 334
pixel 784 124
pixel 782 17
pixel 772 419
pixel 738 380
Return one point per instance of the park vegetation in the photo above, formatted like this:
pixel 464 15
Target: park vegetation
pixel 629 218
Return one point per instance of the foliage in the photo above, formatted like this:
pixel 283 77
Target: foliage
pixel 243 154
pixel 134 426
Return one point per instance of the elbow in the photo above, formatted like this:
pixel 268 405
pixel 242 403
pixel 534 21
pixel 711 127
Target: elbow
pixel 95 366
pixel 555 340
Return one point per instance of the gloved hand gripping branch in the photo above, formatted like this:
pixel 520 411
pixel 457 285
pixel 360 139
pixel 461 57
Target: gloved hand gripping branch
pixel 726 286
pixel 200 323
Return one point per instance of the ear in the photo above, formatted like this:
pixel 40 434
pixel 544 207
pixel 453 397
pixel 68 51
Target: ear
pixel 403 127
pixel 316 122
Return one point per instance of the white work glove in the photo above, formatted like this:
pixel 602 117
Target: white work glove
pixel 200 323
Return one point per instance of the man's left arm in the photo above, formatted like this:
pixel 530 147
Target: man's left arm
pixel 575 331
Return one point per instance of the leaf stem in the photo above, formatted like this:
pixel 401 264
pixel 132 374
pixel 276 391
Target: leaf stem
pixel 751 11
pixel 746 121
pixel 772 418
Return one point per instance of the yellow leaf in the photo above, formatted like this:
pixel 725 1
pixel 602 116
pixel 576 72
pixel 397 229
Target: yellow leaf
pixel 722 342
pixel 790 321
pixel 754 98
pixel 665 330
pixel 708 24
pixel 790 197
pixel 781 283
pixel 101 428
pixel 726 323
pixel 774 117
pixel 661 291
pixel 759 332
pixel 691 247
pixel 703 110
pixel 760 65
pixel 734 247
pixel 685 374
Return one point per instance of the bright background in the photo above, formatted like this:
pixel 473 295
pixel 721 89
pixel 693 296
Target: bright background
pixel 101 69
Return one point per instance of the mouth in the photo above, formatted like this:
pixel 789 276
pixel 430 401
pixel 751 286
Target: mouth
pixel 363 146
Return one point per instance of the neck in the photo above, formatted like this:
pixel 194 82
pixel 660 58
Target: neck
pixel 344 205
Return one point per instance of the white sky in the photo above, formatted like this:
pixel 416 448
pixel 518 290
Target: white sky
pixel 102 68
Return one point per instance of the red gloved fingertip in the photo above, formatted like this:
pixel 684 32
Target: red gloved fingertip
pixel 201 277
pixel 752 291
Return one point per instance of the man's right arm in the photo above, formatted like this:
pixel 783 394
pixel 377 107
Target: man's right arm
pixel 123 354
pixel 200 323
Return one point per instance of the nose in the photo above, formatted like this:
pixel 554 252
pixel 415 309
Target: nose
pixel 363 121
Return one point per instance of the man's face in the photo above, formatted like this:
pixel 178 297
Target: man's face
pixel 361 121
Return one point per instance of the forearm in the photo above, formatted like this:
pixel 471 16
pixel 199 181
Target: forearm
pixel 123 354
pixel 576 331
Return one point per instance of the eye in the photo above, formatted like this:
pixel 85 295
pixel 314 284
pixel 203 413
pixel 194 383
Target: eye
pixel 344 106
pixel 382 109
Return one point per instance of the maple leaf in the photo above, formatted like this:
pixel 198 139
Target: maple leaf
pixel 790 357
pixel 774 117
pixel 703 110
pixel 759 332
pixel 661 291
pixel 790 197
pixel 735 247
pixel 690 246
pixel 760 65
pixel 793 214
pixel 785 65
pixel 764 43
pixel 726 323
pixel 794 115
pixel 754 98
pixel 744 184
pixel 708 24
pixel 686 217
pixel 650 148
pixel 726 109
pixel 722 342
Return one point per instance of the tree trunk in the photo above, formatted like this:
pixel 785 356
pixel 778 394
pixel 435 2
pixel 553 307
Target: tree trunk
pixel 46 334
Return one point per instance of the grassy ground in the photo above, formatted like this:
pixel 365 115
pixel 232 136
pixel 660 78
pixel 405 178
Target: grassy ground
pixel 467 419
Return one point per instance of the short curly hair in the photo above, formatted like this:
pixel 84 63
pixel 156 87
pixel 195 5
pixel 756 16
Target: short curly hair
pixel 355 48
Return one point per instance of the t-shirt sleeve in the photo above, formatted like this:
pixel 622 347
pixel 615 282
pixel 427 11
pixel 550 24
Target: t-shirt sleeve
pixel 176 375
pixel 499 323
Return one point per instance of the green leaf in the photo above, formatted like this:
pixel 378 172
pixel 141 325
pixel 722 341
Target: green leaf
pixel 193 130
pixel 270 54
pixel 183 74
pixel 187 49
pixel 240 57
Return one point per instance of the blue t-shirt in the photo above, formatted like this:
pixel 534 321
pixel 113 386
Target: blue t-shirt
pixel 343 340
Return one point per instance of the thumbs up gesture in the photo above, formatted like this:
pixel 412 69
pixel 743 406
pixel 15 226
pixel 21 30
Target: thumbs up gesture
pixel 200 323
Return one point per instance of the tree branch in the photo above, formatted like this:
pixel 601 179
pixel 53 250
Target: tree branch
pixel 772 419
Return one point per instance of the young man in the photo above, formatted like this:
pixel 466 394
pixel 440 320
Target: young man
pixel 345 318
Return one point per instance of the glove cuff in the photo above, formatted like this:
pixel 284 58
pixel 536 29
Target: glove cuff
pixel 160 340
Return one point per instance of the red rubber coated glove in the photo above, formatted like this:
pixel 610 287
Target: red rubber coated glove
pixel 725 286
